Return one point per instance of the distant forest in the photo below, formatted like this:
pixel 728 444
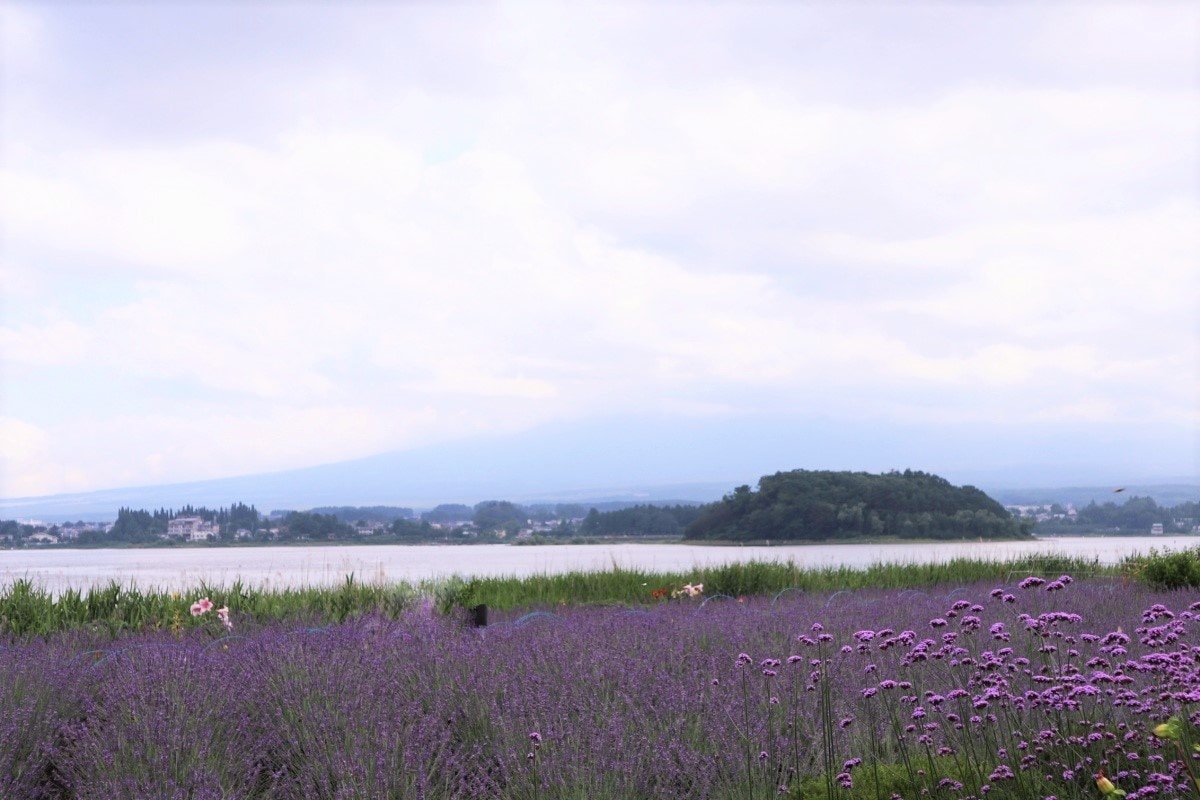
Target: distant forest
pixel 354 514
pixel 640 521
pixel 805 505
pixel 801 505
pixel 1136 515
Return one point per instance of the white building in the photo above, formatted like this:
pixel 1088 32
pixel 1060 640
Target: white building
pixel 193 529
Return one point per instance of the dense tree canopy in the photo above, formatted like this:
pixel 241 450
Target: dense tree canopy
pixel 493 514
pixel 139 526
pixel 303 525
pixel 823 505
pixel 411 530
pixel 645 520
pixel 449 512
pixel 353 514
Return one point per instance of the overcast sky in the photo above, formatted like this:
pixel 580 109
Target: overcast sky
pixel 249 237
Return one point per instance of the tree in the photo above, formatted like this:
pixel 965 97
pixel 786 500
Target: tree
pixel 449 512
pixel 495 514
pixel 822 505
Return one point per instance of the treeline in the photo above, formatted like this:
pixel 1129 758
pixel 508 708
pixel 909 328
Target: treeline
pixel 368 514
pixel 316 526
pixel 821 505
pixel 487 521
pixel 1136 516
pixel 800 505
pixel 138 526
pixel 644 520
pixel 240 522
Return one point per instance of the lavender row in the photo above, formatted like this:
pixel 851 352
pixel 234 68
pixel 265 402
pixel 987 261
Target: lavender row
pixel 1039 690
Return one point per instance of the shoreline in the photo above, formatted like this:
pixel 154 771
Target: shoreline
pixel 329 564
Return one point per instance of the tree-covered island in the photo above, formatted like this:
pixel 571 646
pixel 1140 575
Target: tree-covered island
pixel 804 505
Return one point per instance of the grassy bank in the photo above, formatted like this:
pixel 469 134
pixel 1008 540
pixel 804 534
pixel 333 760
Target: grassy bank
pixel 27 609
pixel 754 578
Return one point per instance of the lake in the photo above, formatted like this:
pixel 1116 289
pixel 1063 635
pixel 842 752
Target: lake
pixel 280 567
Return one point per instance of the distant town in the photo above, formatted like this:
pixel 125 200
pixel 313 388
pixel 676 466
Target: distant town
pixel 823 506
pixel 487 522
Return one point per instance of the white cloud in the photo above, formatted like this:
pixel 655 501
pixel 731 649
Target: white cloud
pixel 25 468
pixel 591 229
pixel 55 342
pixel 22 35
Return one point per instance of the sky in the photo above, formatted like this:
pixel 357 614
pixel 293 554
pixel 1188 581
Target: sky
pixel 242 238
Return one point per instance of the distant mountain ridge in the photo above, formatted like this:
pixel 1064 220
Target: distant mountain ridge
pixel 1165 494
pixel 271 491
pixel 664 461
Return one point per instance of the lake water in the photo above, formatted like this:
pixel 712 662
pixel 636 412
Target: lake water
pixel 326 565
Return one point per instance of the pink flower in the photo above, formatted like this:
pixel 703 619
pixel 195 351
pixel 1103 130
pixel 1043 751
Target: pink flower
pixel 223 614
pixel 201 606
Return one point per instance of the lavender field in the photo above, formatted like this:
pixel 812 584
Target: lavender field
pixel 1031 690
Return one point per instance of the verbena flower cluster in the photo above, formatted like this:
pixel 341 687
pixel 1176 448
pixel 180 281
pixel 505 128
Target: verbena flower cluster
pixel 1043 689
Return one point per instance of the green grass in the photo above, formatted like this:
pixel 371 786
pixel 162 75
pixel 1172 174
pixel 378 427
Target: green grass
pixel 1171 570
pixel 631 586
pixel 27 609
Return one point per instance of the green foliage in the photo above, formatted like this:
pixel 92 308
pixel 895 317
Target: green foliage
pixel 631 586
pixel 28 610
pixel 411 530
pixel 449 512
pixel 353 514
pixel 822 505
pixel 303 525
pixel 1170 570
pixel 139 526
pixel 493 514
pixel 647 520
pixel 1136 515
pixel 876 780
pixel 456 593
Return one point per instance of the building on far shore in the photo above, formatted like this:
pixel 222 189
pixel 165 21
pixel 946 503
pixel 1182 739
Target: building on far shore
pixel 193 529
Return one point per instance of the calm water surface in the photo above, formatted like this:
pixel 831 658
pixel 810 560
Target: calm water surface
pixel 300 566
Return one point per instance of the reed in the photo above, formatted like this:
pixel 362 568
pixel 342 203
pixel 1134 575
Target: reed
pixel 27 609
pixel 754 578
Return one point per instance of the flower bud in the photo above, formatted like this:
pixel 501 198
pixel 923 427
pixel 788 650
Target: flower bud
pixel 1168 730
pixel 1107 787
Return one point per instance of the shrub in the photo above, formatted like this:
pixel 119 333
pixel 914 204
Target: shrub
pixel 1169 570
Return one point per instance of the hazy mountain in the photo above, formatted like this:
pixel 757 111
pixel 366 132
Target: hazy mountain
pixel 1165 494
pixel 649 460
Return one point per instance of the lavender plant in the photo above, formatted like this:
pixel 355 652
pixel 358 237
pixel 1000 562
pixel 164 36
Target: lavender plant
pixel 1038 688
